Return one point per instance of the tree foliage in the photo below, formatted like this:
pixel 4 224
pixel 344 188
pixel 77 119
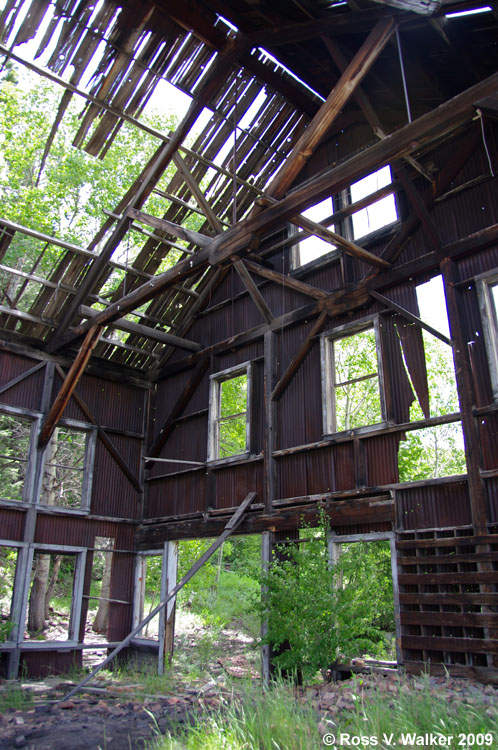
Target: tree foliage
pixel 317 613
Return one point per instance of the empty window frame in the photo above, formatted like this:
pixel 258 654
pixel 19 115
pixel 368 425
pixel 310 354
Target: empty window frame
pixel 487 287
pixel 361 223
pixel 67 464
pixel 53 600
pixel 313 247
pixel 15 456
pixel 352 379
pixel 229 409
pixel 378 214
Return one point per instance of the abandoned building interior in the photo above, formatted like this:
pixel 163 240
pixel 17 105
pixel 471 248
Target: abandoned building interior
pixel 272 339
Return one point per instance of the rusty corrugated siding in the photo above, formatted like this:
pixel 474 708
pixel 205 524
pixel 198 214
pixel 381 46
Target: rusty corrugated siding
pixel 43 663
pixel 12 524
pixel 234 483
pixel 112 492
pixel 381 456
pixel 28 392
pixel 113 404
pixel 184 493
pixel 79 532
pixel 433 506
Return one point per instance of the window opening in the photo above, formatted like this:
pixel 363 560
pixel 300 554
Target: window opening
pixel 64 480
pixel 97 616
pixel 50 606
pixel 441 378
pixel 380 213
pixel 431 452
pixel 15 435
pixel 353 395
pixel 149 594
pixel 8 562
pixel 364 580
pixel 313 247
pixel 229 414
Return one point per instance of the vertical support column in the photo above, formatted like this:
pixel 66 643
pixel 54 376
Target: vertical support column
pixel 397 616
pixel 270 380
pixel 167 615
pixel 25 556
pixel 266 546
pixel 465 396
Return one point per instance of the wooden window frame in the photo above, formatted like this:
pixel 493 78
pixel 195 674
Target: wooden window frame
pixel 29 480
pixel 215 382
pixel 88 466
pixel 328 375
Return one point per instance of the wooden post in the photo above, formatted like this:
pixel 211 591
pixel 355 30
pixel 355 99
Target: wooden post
pixel 465 395
pixel 266 547
pixel 167 615
pixel 69 384
pixel 270 376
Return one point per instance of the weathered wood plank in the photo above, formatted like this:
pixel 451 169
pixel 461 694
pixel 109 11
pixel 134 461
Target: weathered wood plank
pixel 293 367
pixel 253 290
pixel 69 384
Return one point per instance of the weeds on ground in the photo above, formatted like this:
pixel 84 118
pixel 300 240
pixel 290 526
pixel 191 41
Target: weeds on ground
pixel 416 711
pixel 269 720
pixel 13 696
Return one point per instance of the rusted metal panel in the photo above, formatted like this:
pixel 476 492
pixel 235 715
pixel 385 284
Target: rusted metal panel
pixel 78 532
pixel 188 442
pixel 381 454
pixel 113 404
pixel 291 476
pixel 435 506
pixel 43 663
pixel 476 346
pixel 12 524
pixel 234 483
pixel 300 409
pixel 122 577
pixel 27 393
pixel 366 528
pixel 112 492
pixel 344 466
pixel 492 493
pixel 489 437
pixel 185 493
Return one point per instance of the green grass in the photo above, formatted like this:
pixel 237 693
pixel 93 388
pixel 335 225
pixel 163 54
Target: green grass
pixel 272 720
pixel 232 604
pixel 418 711
pixel 13 696
pixel 276 720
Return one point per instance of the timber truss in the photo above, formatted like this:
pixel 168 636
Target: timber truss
pixel 277 124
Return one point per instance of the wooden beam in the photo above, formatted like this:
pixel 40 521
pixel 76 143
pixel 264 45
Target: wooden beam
pixel 103 436
pixel 349 80
pixel 340 23
pixel 197 193
pixel 473 458
pixel 288 281
pixel 183 399
pixel 69 384
pixel 234 47
pixel 345 300
pixel 293 367
pixel 253 290
pixel 152 333
pixel 411 317
pixel 434 124
pixel 349 247
pixel 189 235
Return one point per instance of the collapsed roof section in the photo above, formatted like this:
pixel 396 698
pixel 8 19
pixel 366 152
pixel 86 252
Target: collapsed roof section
pixel 250 129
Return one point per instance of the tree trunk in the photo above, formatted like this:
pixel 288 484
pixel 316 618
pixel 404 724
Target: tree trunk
pixel 101 621
pixel 37 606
pixel 51 585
